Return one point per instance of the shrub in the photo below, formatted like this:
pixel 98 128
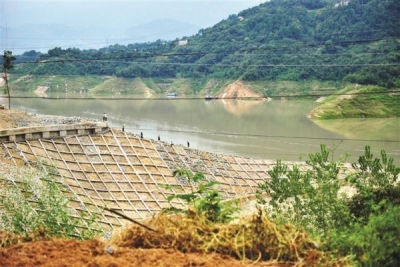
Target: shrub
pixel 204 199
pixel 373 236
pixel 361 205
pixel 376 181
pixel 373 244
pixel 34 201
pixel 309 199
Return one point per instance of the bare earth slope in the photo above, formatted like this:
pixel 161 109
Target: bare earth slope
pixel 12 118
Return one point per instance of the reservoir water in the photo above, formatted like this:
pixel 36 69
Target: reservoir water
pixel 258 129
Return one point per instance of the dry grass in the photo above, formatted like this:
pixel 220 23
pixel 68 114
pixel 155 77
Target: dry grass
pixel 252 240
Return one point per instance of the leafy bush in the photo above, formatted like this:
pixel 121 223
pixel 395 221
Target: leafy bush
pixel 373 244
pixel 361 205
pixel 34 201
pixel 376 181
pixel 310 198
pixel 203 198
pixel 373 236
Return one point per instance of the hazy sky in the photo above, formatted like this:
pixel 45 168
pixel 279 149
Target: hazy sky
pixel 119 13
pixel 89 21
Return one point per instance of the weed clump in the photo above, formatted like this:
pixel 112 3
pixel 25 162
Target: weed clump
pixel 252 239
pixel 35 206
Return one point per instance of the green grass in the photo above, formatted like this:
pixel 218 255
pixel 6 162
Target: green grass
pixel 361 102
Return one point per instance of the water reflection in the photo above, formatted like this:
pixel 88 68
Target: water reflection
pixel 257 129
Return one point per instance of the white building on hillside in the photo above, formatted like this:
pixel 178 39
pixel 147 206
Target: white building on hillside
pixel 182 42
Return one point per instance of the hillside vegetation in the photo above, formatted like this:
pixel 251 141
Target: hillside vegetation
pixel 278 40
pixel 359 102
pixel 281 48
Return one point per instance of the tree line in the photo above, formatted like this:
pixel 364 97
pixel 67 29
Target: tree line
pixel 293 40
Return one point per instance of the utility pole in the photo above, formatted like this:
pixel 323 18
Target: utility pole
pixel 7 65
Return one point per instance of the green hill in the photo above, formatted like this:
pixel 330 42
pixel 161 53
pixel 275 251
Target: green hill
pixel 359 102
pixel 278 40
pixel 279 48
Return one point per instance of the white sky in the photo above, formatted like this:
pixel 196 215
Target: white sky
pixel 105 20
pixel 120 13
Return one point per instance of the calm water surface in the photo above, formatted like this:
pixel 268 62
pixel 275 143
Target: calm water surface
pixel 268 130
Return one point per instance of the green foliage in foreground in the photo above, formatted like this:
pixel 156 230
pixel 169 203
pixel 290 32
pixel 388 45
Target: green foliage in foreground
pixel 365 225
pixel 373 244
pixel 36 202
pixel 308 198
pixel 205 200
pixel 376 181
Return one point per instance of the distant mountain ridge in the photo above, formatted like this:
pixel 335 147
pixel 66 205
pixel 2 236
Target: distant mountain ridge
pixel 43 37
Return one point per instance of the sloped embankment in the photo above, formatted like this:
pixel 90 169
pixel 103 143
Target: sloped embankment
pixel 124 172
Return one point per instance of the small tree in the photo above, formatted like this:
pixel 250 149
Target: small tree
pixel 205 200
pixel 7 65
pixel 377 183
pixel 308 198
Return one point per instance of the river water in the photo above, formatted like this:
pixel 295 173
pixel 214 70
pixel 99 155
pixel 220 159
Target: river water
pixel 257 129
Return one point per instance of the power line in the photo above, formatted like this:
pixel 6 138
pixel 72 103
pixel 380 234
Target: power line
pixel 218 64
pixel 297 53
pixel 276 136
pixel 261 48
pixel 266 136
pixel 202 98
pixel 260 135
pixel 128 39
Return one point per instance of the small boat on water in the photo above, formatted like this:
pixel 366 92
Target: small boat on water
pixel 209 97
pixel 172 94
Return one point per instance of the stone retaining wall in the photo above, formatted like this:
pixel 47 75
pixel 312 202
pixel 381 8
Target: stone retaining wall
pixel 51 131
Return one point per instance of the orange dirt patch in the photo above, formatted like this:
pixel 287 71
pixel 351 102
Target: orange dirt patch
pixel 239 90
pixel 94 253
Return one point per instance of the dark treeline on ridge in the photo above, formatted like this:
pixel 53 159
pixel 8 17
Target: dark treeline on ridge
pixel 350 40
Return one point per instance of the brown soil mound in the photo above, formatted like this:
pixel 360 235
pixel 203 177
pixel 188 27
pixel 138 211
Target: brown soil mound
pixel 93 253
pixel 238 90
pixel 175 241
pixel 9 118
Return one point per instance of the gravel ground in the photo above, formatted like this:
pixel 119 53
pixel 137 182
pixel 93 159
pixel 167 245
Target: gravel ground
pixel 48 119
pixel 17 118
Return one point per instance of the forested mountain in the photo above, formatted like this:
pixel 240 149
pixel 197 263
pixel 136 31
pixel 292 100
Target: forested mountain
pixel 342 40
